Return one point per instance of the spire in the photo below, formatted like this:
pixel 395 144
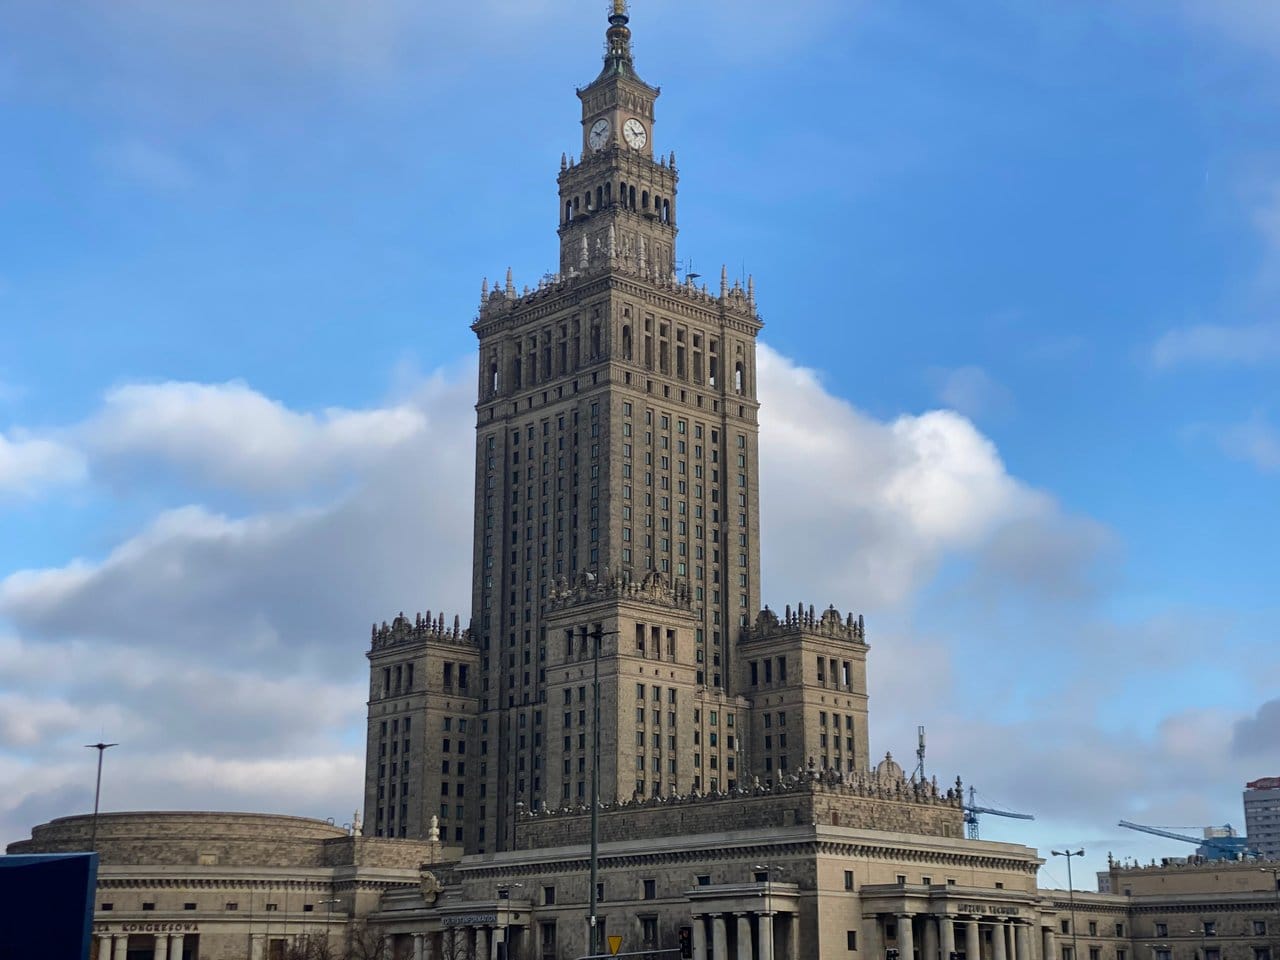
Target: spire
pixel 617 57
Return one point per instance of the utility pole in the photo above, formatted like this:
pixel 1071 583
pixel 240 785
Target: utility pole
pixel 97 791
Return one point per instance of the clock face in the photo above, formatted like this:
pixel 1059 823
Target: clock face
pixel 599 134
pixel 635 133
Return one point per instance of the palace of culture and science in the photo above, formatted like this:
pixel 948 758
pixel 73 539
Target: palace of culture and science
pixel 616 492
pixel 617 624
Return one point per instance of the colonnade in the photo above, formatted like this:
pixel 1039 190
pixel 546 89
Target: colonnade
pixel 116 946
pixel 480 942
pixel 755 936
pixel 1010 937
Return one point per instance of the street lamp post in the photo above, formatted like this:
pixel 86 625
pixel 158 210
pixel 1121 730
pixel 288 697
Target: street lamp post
pixel 1071 896
pixel 328 919
pixel 97 791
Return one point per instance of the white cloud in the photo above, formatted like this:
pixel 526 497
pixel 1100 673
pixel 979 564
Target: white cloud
pixel 147 164
pixel 972 392
pixel 230 435
pixel 30 465
pixel 1254 441
pixel 1218 344
pixel 863 507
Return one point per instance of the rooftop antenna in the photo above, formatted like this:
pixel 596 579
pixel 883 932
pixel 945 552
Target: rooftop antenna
pixel 919 774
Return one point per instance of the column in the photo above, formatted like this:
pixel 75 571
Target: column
pixel 175 946
pixel 872 940
pixel 122 947
pixel 719 938
pixel 1050 948
pixel 482 943
pixel 1010 944
pixel 765 928
pixel 906 936
pixel 744 936
pixel 699 937
pixel 104 946
pixel 417 946
pixel 997 941
pixel 496 936
pixel 256 946
pixel 947 935
pixel 162 948
pixel 1021 942
pixel 972 942
pixel 929 944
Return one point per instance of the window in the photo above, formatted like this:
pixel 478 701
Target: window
pixel 548 896
pixel 1066 928
pixel 1095 953
pixel 1162 929
pixel 704 880
pixel 851 939
pixel 233 906
pixel 1210 928
pixel 902 879
pixel 650 889
pixel 1119 929
pixel 149 906
pixel 1093 928
pixel 1259 928
pixel 188 906
pixel 108 906
pixel 649 930
pixel 848 883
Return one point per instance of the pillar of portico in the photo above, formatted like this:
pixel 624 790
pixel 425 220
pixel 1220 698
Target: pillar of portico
pixel 417 946
pixel 947 935
pixel 764 927
pixel 175 946
pixel 1050 948
pixel 719 938
pixel 459 936
pixel 482 943
pixel 929 942
pixel 972 942
pixel 121 951
pixel 906 937
pixel 998 942
pixel 162 948
pixel 1021 942
pixel 699 937
pixel 1010 942
pixel 744 936
pixel 872 938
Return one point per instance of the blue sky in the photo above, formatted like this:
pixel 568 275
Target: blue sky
pixel 1019 266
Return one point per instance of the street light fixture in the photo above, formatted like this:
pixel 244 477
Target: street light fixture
pixel 97 791
pixel 1071 896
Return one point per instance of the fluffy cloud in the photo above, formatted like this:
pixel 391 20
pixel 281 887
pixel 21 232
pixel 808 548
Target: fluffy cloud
pixel 1255 736
pixel 1218 344
pixel 856 504
pixel 30 465
pixel 231 435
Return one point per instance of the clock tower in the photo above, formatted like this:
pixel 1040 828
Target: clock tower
pixel 618 185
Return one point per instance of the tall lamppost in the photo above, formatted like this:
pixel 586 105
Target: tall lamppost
pixel 328 920
pixel 1071 896
pixel 97 791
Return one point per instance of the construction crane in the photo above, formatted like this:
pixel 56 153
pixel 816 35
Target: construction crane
pixel 1215 848
pixel 971 811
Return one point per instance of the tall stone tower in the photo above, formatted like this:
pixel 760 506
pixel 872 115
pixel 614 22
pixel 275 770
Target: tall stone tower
pixel 616 494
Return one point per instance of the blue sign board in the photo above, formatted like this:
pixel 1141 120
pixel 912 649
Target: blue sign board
pixel 46 905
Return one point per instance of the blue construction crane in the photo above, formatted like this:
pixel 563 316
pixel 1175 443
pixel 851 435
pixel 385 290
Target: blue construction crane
pixel 1211 848
pixel 971 811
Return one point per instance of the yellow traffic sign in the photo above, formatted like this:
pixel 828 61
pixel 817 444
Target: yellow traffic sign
pixel 615 944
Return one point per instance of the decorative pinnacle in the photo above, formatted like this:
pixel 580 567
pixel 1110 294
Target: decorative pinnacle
pixel 619 9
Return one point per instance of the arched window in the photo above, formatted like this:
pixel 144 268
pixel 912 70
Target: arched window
pixel 626 343
pixel 738 378
pixel 631 197
pixel 599 197
pixel 644 200
pixel 493 378
pixel 666 211
pixel 608 192
pixel 595 340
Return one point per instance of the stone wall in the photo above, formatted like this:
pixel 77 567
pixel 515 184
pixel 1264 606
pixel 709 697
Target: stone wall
pixel 199 839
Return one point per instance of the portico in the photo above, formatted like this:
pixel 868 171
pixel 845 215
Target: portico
pixel 745 921
pixel 949 922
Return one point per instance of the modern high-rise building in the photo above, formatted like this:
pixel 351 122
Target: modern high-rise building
pixel 1262 816
pixel 616 496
